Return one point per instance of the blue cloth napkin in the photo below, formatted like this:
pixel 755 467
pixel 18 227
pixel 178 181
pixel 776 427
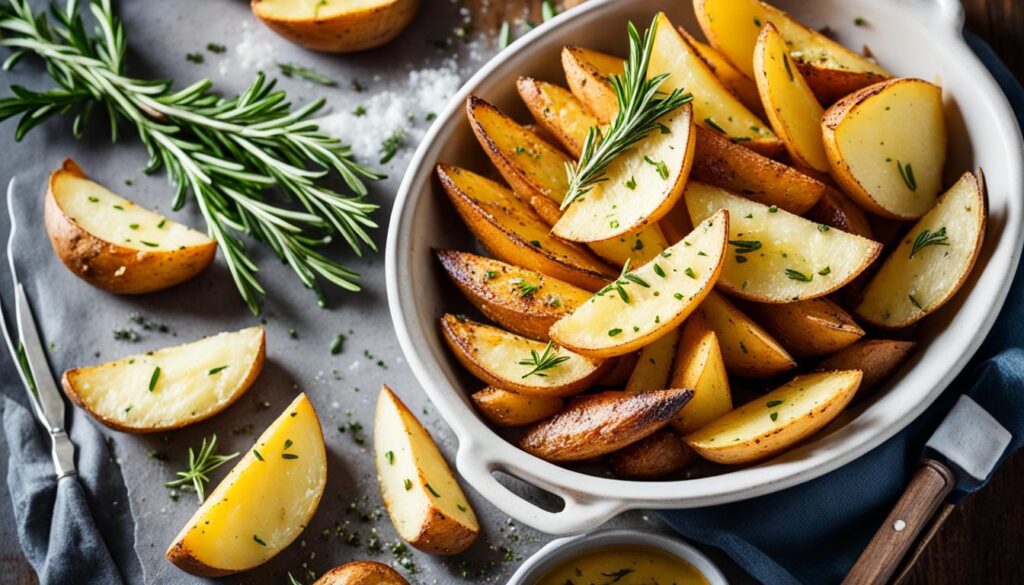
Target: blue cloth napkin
pixel 813 533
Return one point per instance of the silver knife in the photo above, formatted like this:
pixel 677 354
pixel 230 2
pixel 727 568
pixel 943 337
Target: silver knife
pixel 33 368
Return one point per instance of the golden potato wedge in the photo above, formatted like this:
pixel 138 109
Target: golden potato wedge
pixel 171 387
pixel 654 365
pixel 558 111
pixel 641 185
pixel 676 223
pixel 811 327
pixel 878 359
pixel 362 573
pixel 263 504
pixel 505 360
pixel 792 108
pixel 723 163
pixel 835 210
pixel 714 106
pixel 114 244
pixel 737 83
pixel 778 257
pixel 644 304
pixel 598 424
pixel 420 492
pixel 335 26
pixel 768 425
pixel 699 365
pixel 932 262
pixel 832 70
pixel 520 300
pixel 661 454
pixel 511 409
pixel 510 230
pixel 587 73
pixel 747 349
pixel 886 145
pixel 621 371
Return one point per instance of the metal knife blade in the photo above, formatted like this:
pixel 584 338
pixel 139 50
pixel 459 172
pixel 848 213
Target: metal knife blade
pixel 969 440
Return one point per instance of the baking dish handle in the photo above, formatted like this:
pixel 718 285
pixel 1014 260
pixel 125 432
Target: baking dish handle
pixel 949 14
pixel 578 515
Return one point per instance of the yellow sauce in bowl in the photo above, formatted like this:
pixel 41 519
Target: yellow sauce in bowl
pixel 623 565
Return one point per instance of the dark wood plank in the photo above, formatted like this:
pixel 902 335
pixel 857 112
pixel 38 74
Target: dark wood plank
pixel 1001 23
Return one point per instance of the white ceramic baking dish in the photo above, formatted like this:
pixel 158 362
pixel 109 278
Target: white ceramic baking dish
pixel 920 38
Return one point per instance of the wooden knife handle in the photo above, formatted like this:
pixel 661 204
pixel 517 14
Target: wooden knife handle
pixel 930 486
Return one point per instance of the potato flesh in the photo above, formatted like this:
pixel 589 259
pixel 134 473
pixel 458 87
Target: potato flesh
pixel 642 185
pixel 791 107
pixel 406 455
pixel 654 365
pixel 900 126
pixel 319 9
pixel 558 111
pixel 117 220
pixel 713 104
pixel 747 349
pixel 699 365
pixel 907 287
pixel 606 326
pixel 194 379
pixel 271 499
pixel 796 260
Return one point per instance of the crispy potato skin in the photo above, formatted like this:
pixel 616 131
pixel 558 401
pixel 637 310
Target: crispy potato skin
pixel 67 381
pixel 598 424
pixel 586 82
pixel 737 83
pixel 621 371
pixel 510 409
pixel 109 266
pixel 182 557
pixel 362 573
pixel 660 454
pixel 835 210
pixel 348 32
pixel 877 358
pixel 831 85
pixel 541 101
pixel 807 328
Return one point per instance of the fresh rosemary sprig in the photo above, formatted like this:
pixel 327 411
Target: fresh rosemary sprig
pixel 543 361
pixel 289 70
pixel 929 238
pixel 199 466
pixel 228 152
pixel 641 105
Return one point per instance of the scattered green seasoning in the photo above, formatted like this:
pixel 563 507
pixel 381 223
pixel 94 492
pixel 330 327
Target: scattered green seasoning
pixel 678 296
pixel 216 370
pixel 660 165
pixel 773 403
pixel 914 302
pixel 774 416
pixel 153 378
pixel 825 271
pixel 614 332
pixel 548 10
pixel 797 275
pixel 659 270
pixel 257 454
pixel 149 244
pixel 289 456
pixel 359 112
pixel 543 361
pixel 389 148
pixel 200 464
pixel 525 288
pixel 490 275
pixel 689 272
pixel 292 70
pixel 316 8
pixel 118 207
pixel 133 226
pixel 822 227
pixel 711 122
pixel 256 538
pixel 929 238
pixel 433 491
pixel 613 223
pixel 390 456
pixel 216 48
pixel 195 57
pixel 860 21
pixel 745 246
pixel 789 70
pixel 757 22
pixel 94 199
pixel 338 344
pixel 907 173
pixel 773 209
pixel 535 243
pixel 162 223
pixel 408 484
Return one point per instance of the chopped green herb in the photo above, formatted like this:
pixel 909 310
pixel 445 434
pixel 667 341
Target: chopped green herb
pixel 860 21
pixel 433 491
pixel 338 344
pixel 745 246
pixel 822 227
pixel 133 226
pixel 548 10
pixel 914 302
pixel 195 57
pixel 359 112
pixel 773 209
pixel 389 148
pixel 631 183
pixel 258 540
pixel 773 403
pixel 659 270
pixel 660 165
pixel 907 173
pixel 199 467
pixel 490 275
pixel 711 122
pixel 94 199
pixel 408 484
pixel 525 288
pixel 162 223
pixel 216 370
pixel 614 332
pixel 825 271
pixel 929 238
pixel 798 276
pixel 216 48
pixel 153 379
pixel 289 456
pixel 150 244
pixel 390 456
pixel 257 454
pixel 678 296
pixel 774 416
pixel 689 272
pixel 789 70
pixel 505 35
pixel 289 70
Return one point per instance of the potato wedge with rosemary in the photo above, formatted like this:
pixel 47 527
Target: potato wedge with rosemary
pixel 362 573
pixel 878 359
pixel 734 80
pixel 811 327
pixel 516 363
pixel 510 230
pixel 747 349
pixel 263 504
pixel 654 365
pixel 598 424
pixel 661 454
pixel 420 492
pixel 523 301
pixel 114 244
pixel 773 423
pixel 932 262
pixel 699 365
pixel 792 108
pixel 511 409
pixel 832 70
pixel 778 257
pixel 643 304
pixel 587 73
pixel 171 387
pixel 558 111
pixel 886 145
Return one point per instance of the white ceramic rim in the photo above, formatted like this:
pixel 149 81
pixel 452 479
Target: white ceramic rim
pixel 591 500
pixel 561 549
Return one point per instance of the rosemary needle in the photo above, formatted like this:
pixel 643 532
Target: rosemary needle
pixel 543 361
pixel 199 467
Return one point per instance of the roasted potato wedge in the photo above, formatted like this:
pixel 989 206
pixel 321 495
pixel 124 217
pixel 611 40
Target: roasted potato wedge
pixel 878 359
pixel 362 573
pixel 768 425
pixel 171 387
pixel 598 424
pixel 337 27
pixel 714 106
pixel 835 210
pixel 747 349
pixel 734 80
pixel 114 244
pixel 791 106
pixel 932 262
pixel 654 365
pixel 778 257
pixel 661 454
pixel 886 145
pixel 420 492
pixel 587 73
pixel 502 359
pixel 620 373
pixel 644 304
pixel 511 409
pixel 811 327
pixel 263 504
pixel 558 111
pixel 831 69
pixel 523 301
pixel 698 364
pixel 510 230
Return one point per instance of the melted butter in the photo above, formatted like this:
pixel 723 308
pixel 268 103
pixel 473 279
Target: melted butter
pixel 623 565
